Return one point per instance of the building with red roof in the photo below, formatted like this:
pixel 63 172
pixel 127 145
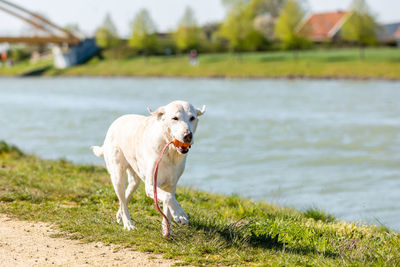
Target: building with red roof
pixel 323 27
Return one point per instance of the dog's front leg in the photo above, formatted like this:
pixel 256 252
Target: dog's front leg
pixel 178 214
pixel 161 196
pixel 175 210
pixel 171 207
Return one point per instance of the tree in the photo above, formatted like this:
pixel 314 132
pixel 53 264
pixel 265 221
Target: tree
pixel 266 13
pixel 144 36
pixel 360 27
pixel 250 23
pixel 106 34
pixel 239 31
pixel 265 24
pixel 287 25
pixel 188 19
pixel 188 34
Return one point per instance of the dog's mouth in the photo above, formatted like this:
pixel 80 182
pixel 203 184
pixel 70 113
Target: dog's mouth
pixel 182 148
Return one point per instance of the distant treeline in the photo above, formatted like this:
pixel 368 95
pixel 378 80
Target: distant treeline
pixel 250 25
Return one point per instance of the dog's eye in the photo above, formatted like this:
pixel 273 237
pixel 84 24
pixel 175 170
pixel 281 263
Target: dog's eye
pixel 192 118
pixel 175 118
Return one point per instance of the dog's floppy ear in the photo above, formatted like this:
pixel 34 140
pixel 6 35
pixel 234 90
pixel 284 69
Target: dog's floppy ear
pixel 158 113
pixel 201 111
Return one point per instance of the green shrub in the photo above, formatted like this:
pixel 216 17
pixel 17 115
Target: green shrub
pixel 9 149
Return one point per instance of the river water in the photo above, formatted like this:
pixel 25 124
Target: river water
pixel 333 145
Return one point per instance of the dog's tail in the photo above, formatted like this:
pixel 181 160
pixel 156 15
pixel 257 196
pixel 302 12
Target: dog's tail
pixel 98 151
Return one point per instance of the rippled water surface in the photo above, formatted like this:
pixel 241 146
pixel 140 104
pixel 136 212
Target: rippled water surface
pixel 333 145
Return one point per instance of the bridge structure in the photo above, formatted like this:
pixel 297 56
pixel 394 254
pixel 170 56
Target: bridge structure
pixel 68 50
pixel 50 32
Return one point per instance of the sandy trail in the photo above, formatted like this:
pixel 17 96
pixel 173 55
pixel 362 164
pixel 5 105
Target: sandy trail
pixel 25 243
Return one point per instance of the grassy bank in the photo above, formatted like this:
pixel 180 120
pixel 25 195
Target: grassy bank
pixel 344 63
pixel 227 230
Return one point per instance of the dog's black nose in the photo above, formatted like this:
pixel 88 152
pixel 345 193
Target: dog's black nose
pixel 188 138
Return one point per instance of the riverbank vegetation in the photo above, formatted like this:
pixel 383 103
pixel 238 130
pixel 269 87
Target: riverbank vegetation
pixel 227 230
pixel 336 63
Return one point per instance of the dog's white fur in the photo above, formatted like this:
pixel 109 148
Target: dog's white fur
pixel 133 144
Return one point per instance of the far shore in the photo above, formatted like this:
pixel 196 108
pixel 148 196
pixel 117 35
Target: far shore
pixel 341 64
pixel 219 77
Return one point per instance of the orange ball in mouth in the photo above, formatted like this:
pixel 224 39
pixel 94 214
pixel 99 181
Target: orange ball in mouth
pixel 183 147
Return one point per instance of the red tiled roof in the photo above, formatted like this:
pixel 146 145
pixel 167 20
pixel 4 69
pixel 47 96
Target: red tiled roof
pixel 397 33
pixel 322 26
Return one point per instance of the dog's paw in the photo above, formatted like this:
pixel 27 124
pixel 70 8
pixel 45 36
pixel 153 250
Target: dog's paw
pixel 129 226
pixel 181 218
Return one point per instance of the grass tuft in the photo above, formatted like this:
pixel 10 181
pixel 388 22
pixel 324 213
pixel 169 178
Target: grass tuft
pixel 319 215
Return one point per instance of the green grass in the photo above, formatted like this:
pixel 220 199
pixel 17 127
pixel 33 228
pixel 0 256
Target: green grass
pixel 379 63
pixel 25 67
pixel 223 230
pixel 319 215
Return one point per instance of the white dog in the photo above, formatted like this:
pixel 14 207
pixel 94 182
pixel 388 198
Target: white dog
pixel 133 144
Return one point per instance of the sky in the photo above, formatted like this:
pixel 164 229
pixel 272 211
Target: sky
pixel 89 14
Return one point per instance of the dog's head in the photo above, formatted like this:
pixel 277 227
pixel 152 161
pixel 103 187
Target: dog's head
pixel 179 119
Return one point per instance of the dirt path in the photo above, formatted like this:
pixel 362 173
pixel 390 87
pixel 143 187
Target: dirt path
pixel 25 243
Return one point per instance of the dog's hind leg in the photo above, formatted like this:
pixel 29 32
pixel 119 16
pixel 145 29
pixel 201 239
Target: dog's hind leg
pixel 116 166
pixel 133 183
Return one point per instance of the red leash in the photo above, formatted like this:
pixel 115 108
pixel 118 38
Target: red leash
pixel 155 186
pixel 177 144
